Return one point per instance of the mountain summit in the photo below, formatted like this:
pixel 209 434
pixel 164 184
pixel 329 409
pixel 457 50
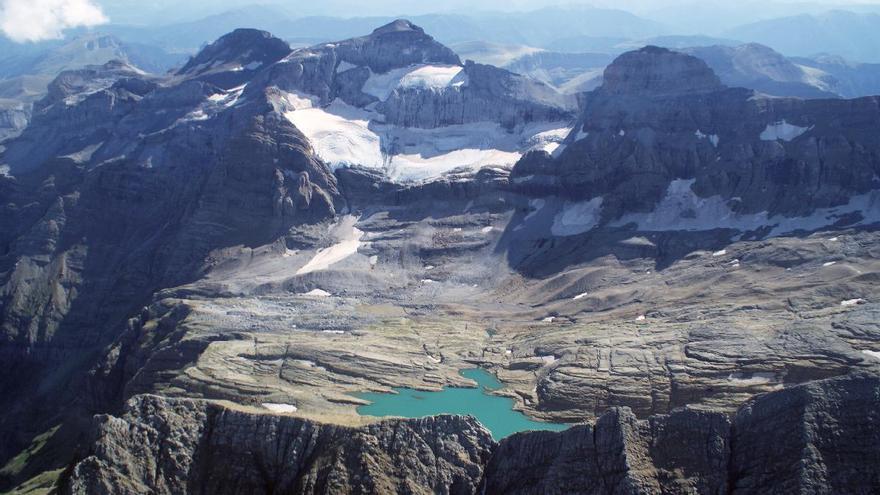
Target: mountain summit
pixel 658 71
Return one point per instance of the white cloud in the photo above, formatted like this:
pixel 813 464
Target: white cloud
pixel 37 20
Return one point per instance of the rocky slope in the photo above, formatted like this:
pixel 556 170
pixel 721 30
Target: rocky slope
pixel 806 439
pixel 275 226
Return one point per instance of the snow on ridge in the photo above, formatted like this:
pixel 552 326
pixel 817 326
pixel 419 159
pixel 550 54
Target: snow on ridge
pixel 434 77
pixel 782 130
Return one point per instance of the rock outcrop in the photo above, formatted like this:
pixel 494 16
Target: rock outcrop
pixel 823 437
pixel 661 116
pixel 166 446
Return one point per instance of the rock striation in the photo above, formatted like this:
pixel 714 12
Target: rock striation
pixel 813 438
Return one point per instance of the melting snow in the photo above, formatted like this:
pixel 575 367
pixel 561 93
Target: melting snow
pixel 641 318
pixel 782 130
pixel 720 253
pixel 486 230
pixel 577 217
pixel 549 319
pixel 830 263
pixel 581 296
pixel 279 408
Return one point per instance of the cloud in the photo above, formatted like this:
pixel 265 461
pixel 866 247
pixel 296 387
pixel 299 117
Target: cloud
pixel 37 20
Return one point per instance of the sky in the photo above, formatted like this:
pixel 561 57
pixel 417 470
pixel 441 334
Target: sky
pixel 37 20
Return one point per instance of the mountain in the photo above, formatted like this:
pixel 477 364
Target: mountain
pixel 839 32
pixel 538 28
pixel 848 79
pixel 761 68
pixel 569 72
pixel 28 71
pixel 202 271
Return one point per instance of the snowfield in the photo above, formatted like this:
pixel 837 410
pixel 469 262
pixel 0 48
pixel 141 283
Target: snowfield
pixel 343 136
pixel 434 77
pixel 577 217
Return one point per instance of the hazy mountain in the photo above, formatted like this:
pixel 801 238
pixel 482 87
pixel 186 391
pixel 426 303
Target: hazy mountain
pixel 854 36
pixel 848 79
pixel 761 68
pixel 539 28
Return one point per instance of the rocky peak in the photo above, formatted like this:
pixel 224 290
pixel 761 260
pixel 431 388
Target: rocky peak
pixel 242 49
pixel 653 71
pixel 397 44
pixel 397 26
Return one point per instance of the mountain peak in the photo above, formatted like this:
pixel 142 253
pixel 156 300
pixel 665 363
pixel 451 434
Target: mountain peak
pixel 242 48
pixel 397 44
pixel 399 25
pixel 653 70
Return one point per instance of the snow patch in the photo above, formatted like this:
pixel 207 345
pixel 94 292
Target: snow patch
pixel 580 296
pixel 782 130
pixel 577 217
pixel 873 354
pixel 852 302
pixel 349 242
pixel 713 138
pixel 84 155
pixel 486 230
pixel 431 77
pixel 719 253
pixel 344 66
pixel 549 319
pixel 279 408
pixel 682 209
pixel 759 378
pixel 317 293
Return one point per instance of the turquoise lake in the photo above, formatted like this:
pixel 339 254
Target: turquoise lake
pixel 494 412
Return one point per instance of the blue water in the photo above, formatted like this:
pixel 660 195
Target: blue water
pixel 494 412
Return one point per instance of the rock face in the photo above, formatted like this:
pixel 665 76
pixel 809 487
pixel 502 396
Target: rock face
pixel 661 116
pixel 654 71
pixel 168 446
pixel 807 439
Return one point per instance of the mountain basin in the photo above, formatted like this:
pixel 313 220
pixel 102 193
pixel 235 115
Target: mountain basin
pixel 495 412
